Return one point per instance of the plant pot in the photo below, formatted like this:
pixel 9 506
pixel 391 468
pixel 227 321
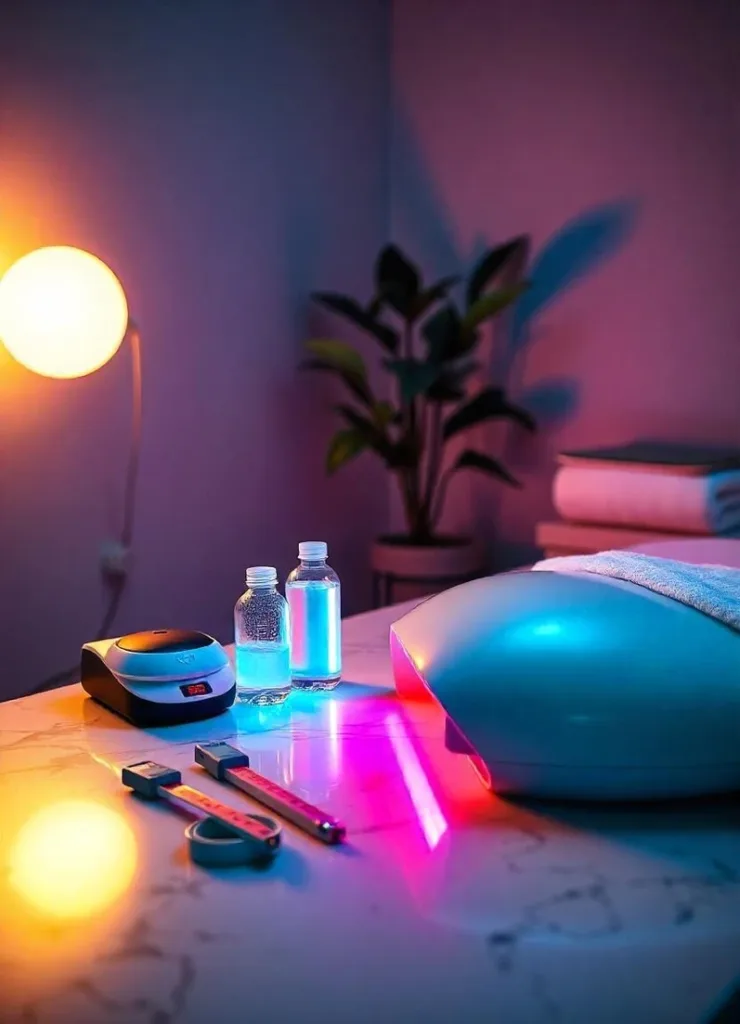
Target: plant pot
pixel 403 569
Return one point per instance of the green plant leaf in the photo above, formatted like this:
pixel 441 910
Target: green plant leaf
pixel 488 404
pixel 426 299
pixel 362 318
pixel 395 454
pixel 397 280
pixel 443 335
pixel 356 384
pixel 470 459
pixel 489 305
pixel 491 263
pixel 345 445
pixel 338 354
pixel 372 431
pixel 414 375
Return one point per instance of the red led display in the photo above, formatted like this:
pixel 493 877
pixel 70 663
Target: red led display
pixel 195 689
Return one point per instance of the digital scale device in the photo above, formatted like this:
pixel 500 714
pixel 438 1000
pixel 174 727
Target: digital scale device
pixel 160 676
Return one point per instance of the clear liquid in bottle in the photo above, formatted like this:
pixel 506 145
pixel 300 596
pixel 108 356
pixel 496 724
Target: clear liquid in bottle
pixel 314 597
pixel 262 640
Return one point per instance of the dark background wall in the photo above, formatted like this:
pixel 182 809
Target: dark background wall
pixel 609 132
pixel 224 158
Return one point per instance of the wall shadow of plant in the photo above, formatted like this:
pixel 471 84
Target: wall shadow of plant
pixel 574 252
pixel 426 226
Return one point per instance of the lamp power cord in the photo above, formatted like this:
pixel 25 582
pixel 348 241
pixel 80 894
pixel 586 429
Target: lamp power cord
pixel 116 554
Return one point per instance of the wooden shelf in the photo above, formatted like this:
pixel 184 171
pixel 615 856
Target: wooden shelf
pixel 561 538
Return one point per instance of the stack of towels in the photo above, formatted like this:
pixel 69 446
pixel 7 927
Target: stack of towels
pixel 652 485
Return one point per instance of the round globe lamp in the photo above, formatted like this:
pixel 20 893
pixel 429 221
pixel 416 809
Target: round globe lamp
pixel 63 312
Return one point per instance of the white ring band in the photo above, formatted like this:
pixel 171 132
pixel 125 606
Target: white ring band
pixel 214 845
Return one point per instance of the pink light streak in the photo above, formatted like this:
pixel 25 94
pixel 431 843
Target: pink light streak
pixel 432 820
pixel 335 762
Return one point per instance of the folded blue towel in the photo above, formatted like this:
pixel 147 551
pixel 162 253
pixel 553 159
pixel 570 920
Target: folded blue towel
pixel 711 589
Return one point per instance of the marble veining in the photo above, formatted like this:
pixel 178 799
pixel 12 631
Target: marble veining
pixel 448 903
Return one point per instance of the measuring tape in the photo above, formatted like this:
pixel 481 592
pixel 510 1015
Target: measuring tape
pixel 224 835
pixel 228 764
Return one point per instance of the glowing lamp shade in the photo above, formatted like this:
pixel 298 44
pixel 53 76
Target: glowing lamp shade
pixel 63 312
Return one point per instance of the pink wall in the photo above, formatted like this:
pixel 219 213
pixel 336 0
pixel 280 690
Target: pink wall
pixel 224 159
pixel 524 115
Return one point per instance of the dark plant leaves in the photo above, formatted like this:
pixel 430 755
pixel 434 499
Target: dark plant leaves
pixel 396 454
pixel 488 404
pixel 446 388
pixel 385 413
pixel 519 415
pixel 375 306
pixel 397 280
pixel 372 431
pixel 342 304
pixel 414 376
pixel 358 420
pixel 427 298
pixel 492 263
pixel 404 455
pixel 443 335
pixel 360 317
pixel 450 385
pixel 345 445
pixel 470 459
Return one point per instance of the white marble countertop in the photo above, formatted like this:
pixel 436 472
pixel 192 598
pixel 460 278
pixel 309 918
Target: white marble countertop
pixel 446 904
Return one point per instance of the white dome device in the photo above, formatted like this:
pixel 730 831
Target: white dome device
pixel 577 686
pixel 159 677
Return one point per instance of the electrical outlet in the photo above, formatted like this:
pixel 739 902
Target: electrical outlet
pixel 115 559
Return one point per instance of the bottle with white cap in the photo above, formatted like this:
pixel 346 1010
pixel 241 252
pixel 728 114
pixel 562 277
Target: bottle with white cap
pixel 262 637
pixel 313 594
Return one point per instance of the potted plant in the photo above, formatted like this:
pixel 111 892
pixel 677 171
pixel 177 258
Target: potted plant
pixel 427 344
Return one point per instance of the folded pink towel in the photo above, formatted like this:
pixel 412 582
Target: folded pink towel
pixel 620 496
pixel 711 589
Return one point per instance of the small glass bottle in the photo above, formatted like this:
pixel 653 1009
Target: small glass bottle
pixel 262 637
pixel 313 593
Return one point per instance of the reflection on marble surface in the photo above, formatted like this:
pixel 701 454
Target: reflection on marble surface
pixel 447 903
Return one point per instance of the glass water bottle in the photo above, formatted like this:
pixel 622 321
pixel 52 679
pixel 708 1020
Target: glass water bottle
pixel 262 637
pixel 313 593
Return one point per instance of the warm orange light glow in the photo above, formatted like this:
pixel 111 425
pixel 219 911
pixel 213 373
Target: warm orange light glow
pixel 73 858
pixel 63 312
